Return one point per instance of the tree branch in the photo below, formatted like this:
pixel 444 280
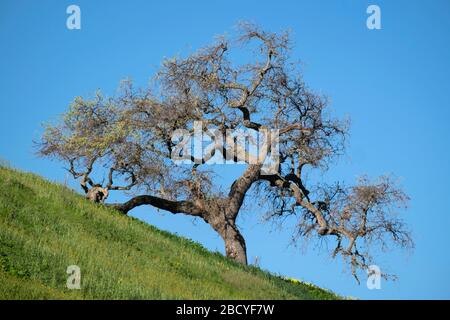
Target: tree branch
pixel 85 175
pixel 185 207
pixel 240 187
pixel 111 186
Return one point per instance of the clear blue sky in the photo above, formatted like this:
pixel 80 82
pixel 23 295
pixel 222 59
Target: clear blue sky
pixel 393 82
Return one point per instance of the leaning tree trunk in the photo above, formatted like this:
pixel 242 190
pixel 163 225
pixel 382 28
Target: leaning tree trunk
pixel 234 244
pixel 235 247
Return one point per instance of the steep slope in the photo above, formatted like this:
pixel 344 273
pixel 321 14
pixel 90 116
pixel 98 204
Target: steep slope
pixel 46 227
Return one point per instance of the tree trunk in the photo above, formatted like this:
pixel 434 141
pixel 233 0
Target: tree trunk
pixel 235 247
pixel 235 244
pixel 97 194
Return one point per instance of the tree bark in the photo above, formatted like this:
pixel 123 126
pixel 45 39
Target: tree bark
pixel 185 207
pixel 225 226
pixel 97 194
pixel 235 247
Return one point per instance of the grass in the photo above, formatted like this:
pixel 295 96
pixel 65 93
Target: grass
pixel 46 227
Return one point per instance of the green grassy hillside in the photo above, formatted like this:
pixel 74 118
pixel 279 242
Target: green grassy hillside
pixel 45 227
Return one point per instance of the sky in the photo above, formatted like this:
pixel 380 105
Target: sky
pixel 393 83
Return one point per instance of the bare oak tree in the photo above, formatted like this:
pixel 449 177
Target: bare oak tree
pixel 129 139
